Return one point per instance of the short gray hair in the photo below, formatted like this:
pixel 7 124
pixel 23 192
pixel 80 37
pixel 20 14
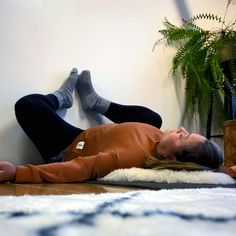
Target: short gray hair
pixel 206 153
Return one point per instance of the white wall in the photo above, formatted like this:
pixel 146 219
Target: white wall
pixel 41 40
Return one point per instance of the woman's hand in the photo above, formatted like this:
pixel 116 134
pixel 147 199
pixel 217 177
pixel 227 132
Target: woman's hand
pixel 7 171
pixel 232 171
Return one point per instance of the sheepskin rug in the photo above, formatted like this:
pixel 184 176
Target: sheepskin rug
pixel 168 176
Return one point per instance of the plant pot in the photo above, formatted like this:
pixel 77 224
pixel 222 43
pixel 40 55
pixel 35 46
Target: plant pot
pixel 230 143
pixel 229 51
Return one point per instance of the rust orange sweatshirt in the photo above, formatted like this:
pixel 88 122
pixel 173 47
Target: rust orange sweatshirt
pixel 96 152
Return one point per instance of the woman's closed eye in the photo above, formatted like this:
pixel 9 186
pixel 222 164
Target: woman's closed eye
pixel 160 157
pixel 183 133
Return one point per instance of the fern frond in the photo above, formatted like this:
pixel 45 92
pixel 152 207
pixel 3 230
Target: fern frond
pixel 231 77
pixel 205 98
pixel 175 33
pixel 230 34
pixel 232 65
pixel 168 24
pixel 198 91
pixel 187 51
pixel 230 27
pixel 206 16
pixel 191 25
pixel 219 105
pixel 217 73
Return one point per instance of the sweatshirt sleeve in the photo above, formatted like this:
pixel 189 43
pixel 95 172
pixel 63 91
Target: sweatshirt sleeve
pixel 76 170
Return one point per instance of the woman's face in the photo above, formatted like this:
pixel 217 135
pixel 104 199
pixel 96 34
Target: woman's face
pixel 173 140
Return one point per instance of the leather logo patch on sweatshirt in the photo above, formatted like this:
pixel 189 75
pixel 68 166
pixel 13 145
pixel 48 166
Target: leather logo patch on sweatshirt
pixel 80 145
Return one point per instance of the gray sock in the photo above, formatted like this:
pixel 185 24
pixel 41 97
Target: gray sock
pixel 90 100
pixel 64 93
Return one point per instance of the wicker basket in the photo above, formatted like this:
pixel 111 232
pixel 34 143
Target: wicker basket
pixel 230 143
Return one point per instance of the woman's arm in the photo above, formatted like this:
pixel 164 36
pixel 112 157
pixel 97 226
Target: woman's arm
pixel 60 172
pixel 76 170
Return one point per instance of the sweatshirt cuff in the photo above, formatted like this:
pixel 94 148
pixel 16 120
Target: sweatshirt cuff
pixel 23 174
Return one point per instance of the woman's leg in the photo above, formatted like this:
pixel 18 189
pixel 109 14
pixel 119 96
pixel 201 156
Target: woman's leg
pixel 129 113
pixel 37 116
pixel 115 112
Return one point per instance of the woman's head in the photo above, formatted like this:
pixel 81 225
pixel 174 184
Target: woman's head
pixel 181 145
pixel 206 153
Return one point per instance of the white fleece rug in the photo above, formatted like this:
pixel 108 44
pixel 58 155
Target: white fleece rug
pixel 180 212
pixel 168 176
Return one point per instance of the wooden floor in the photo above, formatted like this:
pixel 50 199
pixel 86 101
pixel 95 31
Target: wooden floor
pixel 10 189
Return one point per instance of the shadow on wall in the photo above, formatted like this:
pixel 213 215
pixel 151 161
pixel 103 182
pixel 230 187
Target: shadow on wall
pixel 18 148
pixel 183 9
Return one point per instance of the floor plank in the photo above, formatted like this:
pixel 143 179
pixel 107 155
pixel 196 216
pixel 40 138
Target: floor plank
pixel 11 189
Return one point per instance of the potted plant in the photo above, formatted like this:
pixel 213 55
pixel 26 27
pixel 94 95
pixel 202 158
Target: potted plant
pixel 206 60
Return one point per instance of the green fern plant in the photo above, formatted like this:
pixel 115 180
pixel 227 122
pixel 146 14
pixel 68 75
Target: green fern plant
pixel 199 58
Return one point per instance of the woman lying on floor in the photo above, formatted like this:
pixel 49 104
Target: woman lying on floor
pixel 133 140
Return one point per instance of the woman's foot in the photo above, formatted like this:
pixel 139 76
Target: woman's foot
pixel 90 100
pixel 64 93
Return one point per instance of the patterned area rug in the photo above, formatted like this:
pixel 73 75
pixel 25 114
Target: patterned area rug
pixel 166 212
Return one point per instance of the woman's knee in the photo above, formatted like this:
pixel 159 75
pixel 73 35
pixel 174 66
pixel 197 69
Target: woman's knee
pixel 152 118
pixel 25 103
pixel 157 120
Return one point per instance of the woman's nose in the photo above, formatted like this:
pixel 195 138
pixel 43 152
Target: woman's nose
pixel 183 130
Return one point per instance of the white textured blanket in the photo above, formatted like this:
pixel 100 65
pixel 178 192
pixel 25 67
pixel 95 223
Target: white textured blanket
pixel 183 212
pixel 169 176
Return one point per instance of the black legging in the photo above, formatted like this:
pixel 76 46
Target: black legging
pixel 37 116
